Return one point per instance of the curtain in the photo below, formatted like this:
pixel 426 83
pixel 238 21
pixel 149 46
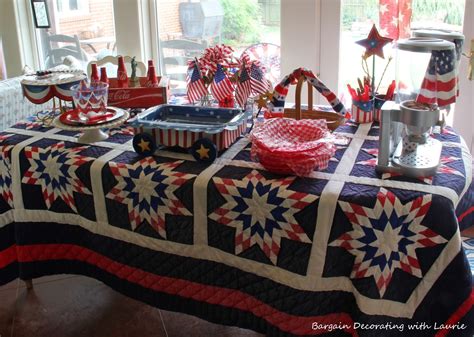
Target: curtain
pixel 395 17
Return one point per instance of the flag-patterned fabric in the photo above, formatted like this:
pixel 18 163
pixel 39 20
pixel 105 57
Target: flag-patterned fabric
pixel 257 79
pixel 195 84
pixel 277 103
pixel 221 87
pixel 362 112
pixel 439 85
pixel 243 88
pixel 233 243
pixel 395 18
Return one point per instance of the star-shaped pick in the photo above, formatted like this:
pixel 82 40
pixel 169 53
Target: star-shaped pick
pixel 374 43
pixel 263 99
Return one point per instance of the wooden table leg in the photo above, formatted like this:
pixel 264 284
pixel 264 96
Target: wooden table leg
pixel 28 284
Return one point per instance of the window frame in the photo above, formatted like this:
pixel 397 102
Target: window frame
pixel 83 9
pixel 139 37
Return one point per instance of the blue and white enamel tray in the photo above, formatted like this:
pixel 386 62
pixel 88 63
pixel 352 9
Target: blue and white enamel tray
pixel 190 118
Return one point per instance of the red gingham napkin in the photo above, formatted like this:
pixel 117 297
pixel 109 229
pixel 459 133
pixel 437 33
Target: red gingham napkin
pixel 289 146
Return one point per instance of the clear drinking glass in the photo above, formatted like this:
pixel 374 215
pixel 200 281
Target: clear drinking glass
pixel 90 97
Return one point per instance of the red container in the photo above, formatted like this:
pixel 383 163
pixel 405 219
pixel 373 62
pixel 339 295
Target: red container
pixel 294 147
pixel 139 97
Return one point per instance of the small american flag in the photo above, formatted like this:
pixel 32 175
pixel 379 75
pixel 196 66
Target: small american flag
pixel 221 87
pixel 195 84
pixel 243 87
pixel 440 84
pixel 258 81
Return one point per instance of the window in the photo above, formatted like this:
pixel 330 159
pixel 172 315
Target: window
pixel 394 19
pixel 89 37
pixel 186 28
pixel 72 7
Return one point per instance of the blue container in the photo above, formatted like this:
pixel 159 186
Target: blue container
pixel 190 127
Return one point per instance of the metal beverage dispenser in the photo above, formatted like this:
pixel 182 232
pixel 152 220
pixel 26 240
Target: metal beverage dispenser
pixel 405 146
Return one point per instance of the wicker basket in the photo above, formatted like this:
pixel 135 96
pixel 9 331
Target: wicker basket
pixel 333 119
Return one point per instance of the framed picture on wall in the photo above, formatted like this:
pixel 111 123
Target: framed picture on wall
pixel 40 13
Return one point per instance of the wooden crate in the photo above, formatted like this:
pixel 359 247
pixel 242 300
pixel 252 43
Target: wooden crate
pixel 140 97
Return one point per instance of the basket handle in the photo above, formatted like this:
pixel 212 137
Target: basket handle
pixel 299 87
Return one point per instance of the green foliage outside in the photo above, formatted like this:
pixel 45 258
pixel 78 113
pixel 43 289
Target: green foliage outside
pixel 241 22
pixel 359 11
pixel 449 11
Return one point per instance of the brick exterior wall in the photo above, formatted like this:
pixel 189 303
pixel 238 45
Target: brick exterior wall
pixel 169 25
pixel 99 21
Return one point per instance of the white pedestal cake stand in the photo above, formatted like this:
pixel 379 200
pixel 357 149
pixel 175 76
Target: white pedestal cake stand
pixel 93 133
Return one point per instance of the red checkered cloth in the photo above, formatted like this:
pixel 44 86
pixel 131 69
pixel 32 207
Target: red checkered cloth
pixel 289 146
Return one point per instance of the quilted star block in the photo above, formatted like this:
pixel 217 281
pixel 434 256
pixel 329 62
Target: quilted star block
pixel 385 237
pixel 262 211
pixel 5 169
pixel 148 189
pixel 54 168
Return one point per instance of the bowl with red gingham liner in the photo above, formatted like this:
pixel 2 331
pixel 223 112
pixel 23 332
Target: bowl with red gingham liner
pixel 293 147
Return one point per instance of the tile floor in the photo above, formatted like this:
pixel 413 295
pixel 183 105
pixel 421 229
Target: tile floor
pixel 76 306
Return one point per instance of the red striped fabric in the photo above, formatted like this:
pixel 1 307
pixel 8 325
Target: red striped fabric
pixel 224 297
pixel 361 116
pixel 186 139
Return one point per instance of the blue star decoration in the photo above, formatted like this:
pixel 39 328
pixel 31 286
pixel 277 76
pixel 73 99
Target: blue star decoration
pixel 384 238
pixel 374 43
pixel 262 212
pixel 147 188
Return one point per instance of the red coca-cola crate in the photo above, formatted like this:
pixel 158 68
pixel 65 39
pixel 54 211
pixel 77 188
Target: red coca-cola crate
pixel 138 97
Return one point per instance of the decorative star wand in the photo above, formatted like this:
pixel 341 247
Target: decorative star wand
pixel 373 45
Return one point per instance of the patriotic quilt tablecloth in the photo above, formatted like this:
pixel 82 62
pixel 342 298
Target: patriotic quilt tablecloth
pixel 344 252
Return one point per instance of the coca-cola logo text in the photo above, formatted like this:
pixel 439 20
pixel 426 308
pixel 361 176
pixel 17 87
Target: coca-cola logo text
pixel 120 95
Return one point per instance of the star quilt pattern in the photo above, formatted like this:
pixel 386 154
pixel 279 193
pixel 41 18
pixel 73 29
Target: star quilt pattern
pixel 385 237
pixel 147 188
pixel 236 244
pixel 54 169
pixel 259 225
pixel 5 169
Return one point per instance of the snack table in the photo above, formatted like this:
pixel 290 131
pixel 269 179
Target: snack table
pixel 237 245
